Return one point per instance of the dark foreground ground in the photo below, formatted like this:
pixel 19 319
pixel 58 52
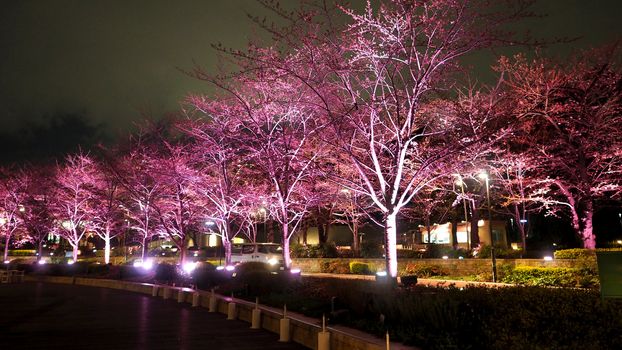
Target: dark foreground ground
pixel 56 316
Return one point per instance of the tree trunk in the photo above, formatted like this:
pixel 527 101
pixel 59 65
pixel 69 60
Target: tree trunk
pixel 142 256
pixel 7 242
pixel 390 241
pixel 182 252
pixel 587 233
pixel 107 250
pixel 40 249
pixel 454 229
pixel 226 243
pixel 287 260
pixel 75 252
pixel 355 239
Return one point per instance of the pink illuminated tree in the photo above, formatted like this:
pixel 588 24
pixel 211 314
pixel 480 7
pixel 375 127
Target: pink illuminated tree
pixel 179 210
pixel 107 208
pixel 142 190
pixel 72 199
pixel 376 82
pixel 12 200
pixel 37 216
pixel 226 179
pixel 569 117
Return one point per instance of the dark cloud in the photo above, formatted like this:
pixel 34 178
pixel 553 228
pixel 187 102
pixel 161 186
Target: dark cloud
pixel 117 60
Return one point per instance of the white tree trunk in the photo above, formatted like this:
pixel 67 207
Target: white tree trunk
pixel 7 242
pixel 75 252
pixel 390 228
pixel 107 250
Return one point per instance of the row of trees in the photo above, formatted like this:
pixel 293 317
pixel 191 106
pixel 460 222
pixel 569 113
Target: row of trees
pixel 351 117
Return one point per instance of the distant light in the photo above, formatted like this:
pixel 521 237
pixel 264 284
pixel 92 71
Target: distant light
pixel 523 221
pixel 619 241
pixel 548 258
pixel 174 249
pixel 94 250
pixel 345 190
pixel 189 267
pixel 148 264
pixel 554 244
pixel 381 274
pixel 461 258
pixel 196 254
pixel 70 262
pixel 209 223
pixel 483 175
pixel 7 261
pixel 41 262
pixel 273 261
pixel 295 271
pixel 230 268
pixel 51 253
pixel 445 257
pixel 220 268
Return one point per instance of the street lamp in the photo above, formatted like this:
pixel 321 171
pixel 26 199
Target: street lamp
pixel 484 176
pixel 461 183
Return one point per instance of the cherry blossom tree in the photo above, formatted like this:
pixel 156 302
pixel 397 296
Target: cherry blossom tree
pixel 142 190
pixel 107 207
pixel 276 127
pixel 72 198
pixel 179 210
pixel 226 179
pixel 12 200
pixel 375 82
pixel 37 216
pixel 569 117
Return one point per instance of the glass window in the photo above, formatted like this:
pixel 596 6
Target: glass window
pixel 248 249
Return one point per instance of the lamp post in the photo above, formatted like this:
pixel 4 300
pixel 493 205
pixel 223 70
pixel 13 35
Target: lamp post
pixel 461 183
pixel 484 176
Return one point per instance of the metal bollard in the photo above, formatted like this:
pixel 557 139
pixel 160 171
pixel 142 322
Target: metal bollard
pixel 323 337
pixel 213 302
pixel 166 293
pixel 181 296
pixel 231 311
pixel 284 327
pixel 195 299
pixel 154 291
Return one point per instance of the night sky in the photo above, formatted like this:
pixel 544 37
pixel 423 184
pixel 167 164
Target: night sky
pixel 99 66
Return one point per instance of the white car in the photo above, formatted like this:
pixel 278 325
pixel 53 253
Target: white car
pixel 269 253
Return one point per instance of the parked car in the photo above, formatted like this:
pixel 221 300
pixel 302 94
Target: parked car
pixel 269 253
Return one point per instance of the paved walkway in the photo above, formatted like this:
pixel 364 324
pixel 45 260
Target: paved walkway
pixel 56 316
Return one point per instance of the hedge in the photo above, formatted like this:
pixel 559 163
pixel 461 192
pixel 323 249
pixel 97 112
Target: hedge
pixel 551 276
pixel 579 253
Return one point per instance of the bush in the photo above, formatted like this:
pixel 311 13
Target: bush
pixel 371 248
pixel 165 272
pixel 501 252
pixel 205 276
pixel 335 266
pixel 580 253
pixel 22 252
pixel 359 268
pixel 424 270
pixel 551 276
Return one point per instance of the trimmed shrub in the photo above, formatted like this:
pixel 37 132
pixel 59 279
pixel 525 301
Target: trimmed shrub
pixel 580 253
pixel 335 266
pixel 424 271
pixel 501 252
pixel 165 272
pixel 22 252
pixel 551 276
pixel 359 268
